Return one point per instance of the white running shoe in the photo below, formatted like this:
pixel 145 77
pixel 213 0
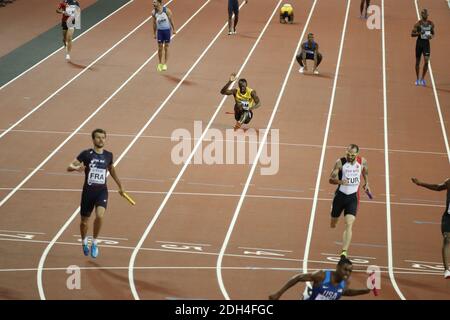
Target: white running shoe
pixel 302 70
pixel 316 71
pixel 447 274
pixel 68 57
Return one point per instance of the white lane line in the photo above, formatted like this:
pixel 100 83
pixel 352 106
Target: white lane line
pixel 436 97
pixel 205 194
pixel 26 232
pixel 249 268
pixel 224 140
pixel 255 162
pixel 189 159
pixel 82 34
pixel 103 237
pixel 75 213
pixel 265 249
pixel 9 195
pixel 112 246
pixel 418 261
pixel 187 243
pixel 386 163
pixel 335 255
pixel 324 145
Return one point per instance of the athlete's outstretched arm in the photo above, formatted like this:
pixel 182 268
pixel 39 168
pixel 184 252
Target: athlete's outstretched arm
pixel 303 277
pixel 112 171
pixel 225 90
pixel 355 292
pixel 256 99
pixel 334 176
pixel 434 187
pixel 75 165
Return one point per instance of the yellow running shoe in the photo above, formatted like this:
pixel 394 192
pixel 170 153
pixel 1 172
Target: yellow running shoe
pixel 164 67
pixel 159 67
pixel 344 254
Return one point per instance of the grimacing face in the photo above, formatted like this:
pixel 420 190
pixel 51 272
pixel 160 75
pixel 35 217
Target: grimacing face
pixel 345 271
pixel 351 154
pixel 99 139
pixel 242 86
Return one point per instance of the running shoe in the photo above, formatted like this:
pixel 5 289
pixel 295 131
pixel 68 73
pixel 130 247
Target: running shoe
pixel 164 67
pixel 343 254
pixel 447 274
pixel 86 249
pixel 94 250
pixel 418 82
pixel 302 70
pixel 68 57
pixel 423 83
pixel 316 71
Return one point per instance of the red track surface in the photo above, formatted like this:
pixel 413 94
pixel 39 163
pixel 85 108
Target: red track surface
pixel 178 258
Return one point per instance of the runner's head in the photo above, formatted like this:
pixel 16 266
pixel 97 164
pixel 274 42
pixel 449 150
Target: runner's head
pixel 424 14
pixel 310 37
pixel 98 137
pixel 242 85
pixel 344 269
pixel 157 4
pixel 352 152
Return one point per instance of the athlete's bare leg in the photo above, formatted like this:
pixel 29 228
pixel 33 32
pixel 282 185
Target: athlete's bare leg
pixel 418 68
pixel 446 250
pixel 84 226
pixel 166 53
pixel 334 222
pixel 99 213
pixel 425 67
pixel 160 52
pixel 347 236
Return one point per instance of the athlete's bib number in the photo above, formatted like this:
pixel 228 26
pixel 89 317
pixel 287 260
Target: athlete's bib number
pixel 245 105
pixel 97 176
pixel 353 181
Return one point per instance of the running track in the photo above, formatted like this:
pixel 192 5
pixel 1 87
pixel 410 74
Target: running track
pixel 225 231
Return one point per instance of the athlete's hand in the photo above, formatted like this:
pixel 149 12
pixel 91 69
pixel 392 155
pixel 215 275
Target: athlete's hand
pixel 233 77
pixel 415 181
pixel 121 191
pixel 366 187
pixel 154 36
pixel 344 182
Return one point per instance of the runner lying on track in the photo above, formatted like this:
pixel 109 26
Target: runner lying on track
pixel 327 284
pixel 246 100
pixel 445 222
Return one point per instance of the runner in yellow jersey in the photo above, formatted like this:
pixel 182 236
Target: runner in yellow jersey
pixel 246 100
pixel 287 13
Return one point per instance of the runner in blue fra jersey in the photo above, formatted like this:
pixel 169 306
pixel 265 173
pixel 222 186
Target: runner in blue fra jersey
pixel 327 284
pixel 95 162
